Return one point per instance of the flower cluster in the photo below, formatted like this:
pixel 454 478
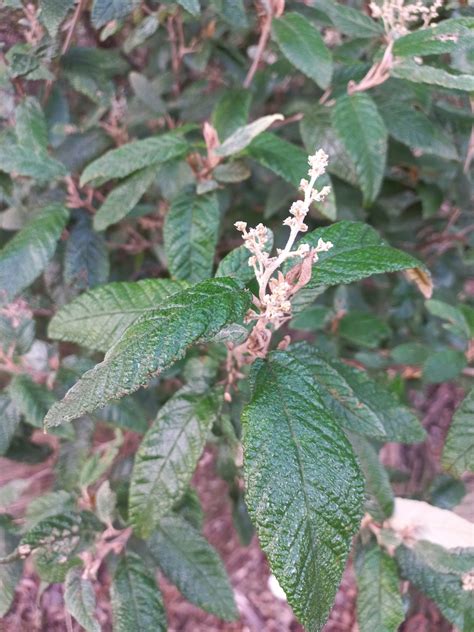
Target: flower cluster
pixel 275 292
pixel 398 17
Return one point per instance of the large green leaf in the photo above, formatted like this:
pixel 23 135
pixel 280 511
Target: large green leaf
pixel 137 603
pixel 79 599
pixel 433 76
pixel 304 488
pixel 104 11
pixel 304 47
pixel 124 198
pixel 458 453
pixel 25 256
pixel 359 403
pixel 121 162
pixel 97 319
pixel 152 344
pixel 190 235
pixel 441 585
pixel 362 130
pixel 379 602
pixel 188 560
pixel 168 455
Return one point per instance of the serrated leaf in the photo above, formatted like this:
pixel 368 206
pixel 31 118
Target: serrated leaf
pixel 25 256
pixel 444 588
pixel 231 112
pixel 304 47
pixel 168 455
pixel 192 6
pixel 124 198
pixel 97 319
pixel 104 11
pixel 30 125
pixel 86 259
pixel 190 236
pixel 21 161
pixel 350 21
pixel 121 162
pixel 236 263
pixel 79 599
pixel 361 128
pixel 445 37
pixel 47 505
pixel 411 71
pixel 188 560
pixel 304 488
pixel 458 453
pixel 379 602
pixel 243 136
pixel 9 420
pixel 53 13
pixel 137 603
pixel 32 400
pixel 359 403
pixel 152 344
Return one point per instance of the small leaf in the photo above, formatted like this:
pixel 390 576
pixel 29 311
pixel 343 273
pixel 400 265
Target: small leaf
pixel 10 419
pixel 231 112
pixel 190 236
pixel 443 365
pixel 457 323
pixel 30 125
pixel 53 13
pixel 32 400
pixel 304 47
pixel 432 76
pixel 350 21
pixel 304 488
pixel 233 12
pixel 104 11
pixel 121 162
pixel 363 329
pixel 123 199
pixel 137 603
pixel 189 561
pixel 192 6
pixel 458 453
pixel 79 599
pixel 243 136
pixel 379 603
pixel 97 319
pixel 168 455
pixel 152 344
pixel 26 255
pixel 362 130
pixel 86 260
pixel 231 172
pixel 105 501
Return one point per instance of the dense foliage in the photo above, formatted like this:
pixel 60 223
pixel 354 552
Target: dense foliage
pixel 134 135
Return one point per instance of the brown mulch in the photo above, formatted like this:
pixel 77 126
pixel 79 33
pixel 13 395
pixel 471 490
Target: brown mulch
pixel 260 610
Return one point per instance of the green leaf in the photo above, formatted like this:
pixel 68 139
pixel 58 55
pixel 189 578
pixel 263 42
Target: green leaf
pixel 192 6
pixel 168 455
pixel 236 263
pixel 97 319
pixel 79 599
pixel 26 255
pixel 363 329
pixel 231 112
pixel 458 453
pixel 190 236
pixel 104 11
pixel 235 171
pixel 305 517
pixel 243 136
pixel 152 344
pixel 32 400
pixel 53 13
pixel 359 403
pixel 304 47
pixel 121 162
pixel 379 603
pixel 47 505
pixel 9 420
pixel 411 71
pixel 30 125
pixel 457 322
pixel 445 37
pixel 189 562
pixel 123 199
pixel 362 130
pixel 443 365
pixel 444 588
pixel 233 12
pixel 349 21
pixel 86 259
pixel 137 603
pixel 379 496
pixel 10 574
pixel 22 161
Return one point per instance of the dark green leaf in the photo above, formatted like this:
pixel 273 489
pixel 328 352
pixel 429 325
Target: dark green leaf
pixel 137 603
pixel 443 365
pixel 152 344
pixel 304 47
pixel 411 71
pixel 188 560
pixel 349 21
pixel 458 454
pixel 86 260
pixel 305 518
pixel 363 329
pixel 104 11
pixel 79 599
pixel 190 236
pixel 231 112
pixel 22 161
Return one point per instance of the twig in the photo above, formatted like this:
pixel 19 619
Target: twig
pixel 266 25
pixel 75 19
